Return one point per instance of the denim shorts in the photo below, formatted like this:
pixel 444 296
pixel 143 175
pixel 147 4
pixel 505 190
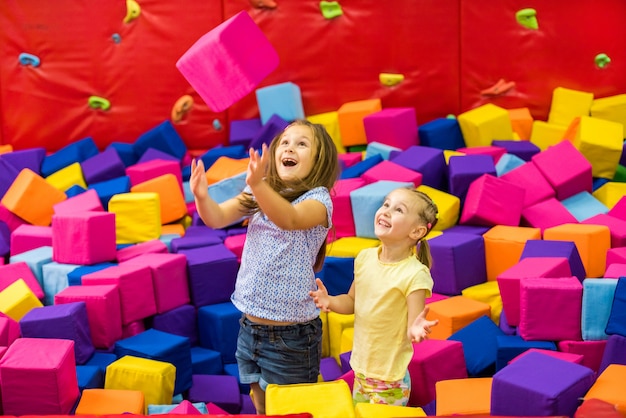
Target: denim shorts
pixel 279 354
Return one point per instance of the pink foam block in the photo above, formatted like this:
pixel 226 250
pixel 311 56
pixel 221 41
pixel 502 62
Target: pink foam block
pixel 565 168
pixel 228 62
pixel 546 214
pixel 617 227
pixel 12 272
pixel 394 126
pixel 83 238
pixel 86 201
pixel 348 159
pixel 135 286
pixel 235 243
pixel 550 309
pixel 492 201
pixel 9 330
pixel 39 377
pixel 509 280
pixel 592 351
pixel 148 247
pixel 169 278
pixel 28 237
pixel 343 217
pixel 141 172
pixel 532 181
pixel 104 312
pixel 388 170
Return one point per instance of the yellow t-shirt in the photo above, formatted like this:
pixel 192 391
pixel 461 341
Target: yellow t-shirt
pixel 381 348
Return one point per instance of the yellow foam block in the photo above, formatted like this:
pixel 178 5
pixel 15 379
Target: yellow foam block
pixel 69 176
pixel 489 293
pixel 16 300
pixel 349 246
pixel 546 134
pixel 463 396
pixel 32 198
pixel 610 193
pixel 450 153
pixel 324 399
pixel 449 207
pixel 225 167
pixel 152 377
pixel 373 410
pixel 521 122
pixel 455 313
pixel 337 323
pixel 483 124
pixel 347 339
pixel 110 401
pixel 568 104
pixel 504 245
pixel 350 116
pixel 330 120
pixel 611 108
pixel 592 243
pixel 172 201
pixel 601 143
pixel 609 387
pixel 137 217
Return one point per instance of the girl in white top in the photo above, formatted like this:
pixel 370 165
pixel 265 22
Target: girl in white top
pixel 387 297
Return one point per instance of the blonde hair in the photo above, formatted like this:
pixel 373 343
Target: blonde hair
pixel 429 214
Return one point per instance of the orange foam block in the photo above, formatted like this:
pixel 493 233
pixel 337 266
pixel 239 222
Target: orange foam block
pixel 110 401
pixel 609 387
pixel 225 167
pixel 521 122
pixel 171 199
pixel 464 396
pixel 504 245
pixel 350 116
pixel 32 198
pixel 454 313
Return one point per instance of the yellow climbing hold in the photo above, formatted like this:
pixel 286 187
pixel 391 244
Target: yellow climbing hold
pixel 527 18
pixel 389 79
pixel 330 9
pixel 133 10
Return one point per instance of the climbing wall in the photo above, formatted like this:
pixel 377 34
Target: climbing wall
pixel 70 69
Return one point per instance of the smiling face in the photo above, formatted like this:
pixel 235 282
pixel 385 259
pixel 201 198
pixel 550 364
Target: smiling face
pixel 398 218
pixel 295 153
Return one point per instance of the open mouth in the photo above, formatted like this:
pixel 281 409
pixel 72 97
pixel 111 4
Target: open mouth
pixel 288 162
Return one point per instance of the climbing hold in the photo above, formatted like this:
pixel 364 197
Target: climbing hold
pixel 263 4
pixel 389 79
pixel 602 60
pixel 527 18
pixel 133 10
pixel 498 89
pixel 29 59
pixel 450 116
pixel 181 108
pixel 330 9
pixel 217 125
pixel 116 38
pixel 96 102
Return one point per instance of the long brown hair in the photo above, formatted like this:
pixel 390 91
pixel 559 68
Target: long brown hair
pixel 324 173
pixel 430 215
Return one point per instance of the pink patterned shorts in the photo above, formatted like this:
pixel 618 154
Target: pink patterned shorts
pixel 379 391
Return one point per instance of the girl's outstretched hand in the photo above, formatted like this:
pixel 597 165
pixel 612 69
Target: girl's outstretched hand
pixel 320 296
pixel 257 166
pixel 197 180
pixel 420 328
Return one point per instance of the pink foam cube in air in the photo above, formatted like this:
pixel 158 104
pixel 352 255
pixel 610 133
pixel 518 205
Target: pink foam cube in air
pixel 228 62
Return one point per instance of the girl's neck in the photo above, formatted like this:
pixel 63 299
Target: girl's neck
pixel 394 253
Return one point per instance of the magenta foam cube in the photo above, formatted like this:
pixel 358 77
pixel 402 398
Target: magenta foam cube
pixel 566 169
pixel 9 330
pixel 546 214
pixel 394 126
pixel 494 151
pixel 141 172
pixel 617 228
pixel 533 267
pixel 532 181
pixel 432 361
pixel 550 309
pixel 12 272
pixel 28 237
pixel 169 278
pixel 492 201
pixel 235 244
pixel 154 246
pixel 228 62
pixel 104 312
pixel 84 238
pixel 348 159
pixel 39 377
pixel 83 202
pixel 592 351
pixel 388 170
pixel 343 216
pixel 135 286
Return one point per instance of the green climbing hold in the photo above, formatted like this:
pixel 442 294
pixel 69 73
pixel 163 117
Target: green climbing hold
pixel 450 116
pixel 527 18
pixel 96 102
pixel 330 9
pixel 602 60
